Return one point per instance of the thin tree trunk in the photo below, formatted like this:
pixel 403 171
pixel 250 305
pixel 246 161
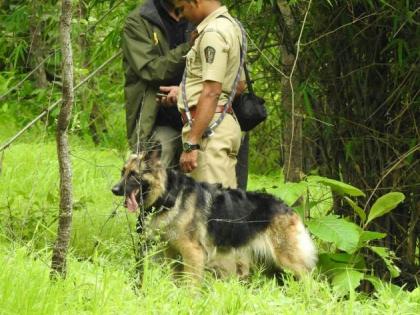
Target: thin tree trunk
pixel 36 48
pixel 58 264
pixel 291 100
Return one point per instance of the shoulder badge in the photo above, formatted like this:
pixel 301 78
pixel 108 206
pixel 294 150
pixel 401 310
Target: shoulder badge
pixel 209 52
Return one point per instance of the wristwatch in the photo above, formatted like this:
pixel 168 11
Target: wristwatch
pixel 188 147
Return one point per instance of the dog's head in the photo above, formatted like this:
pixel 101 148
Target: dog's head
pixel 142 179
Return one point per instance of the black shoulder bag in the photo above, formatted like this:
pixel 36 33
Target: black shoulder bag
pixel 248 107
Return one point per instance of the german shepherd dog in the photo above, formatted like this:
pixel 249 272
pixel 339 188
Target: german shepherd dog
pixel 209 226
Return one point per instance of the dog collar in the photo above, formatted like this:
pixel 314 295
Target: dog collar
pixel 162 203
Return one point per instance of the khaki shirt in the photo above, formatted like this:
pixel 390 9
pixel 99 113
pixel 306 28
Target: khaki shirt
pixel 215 56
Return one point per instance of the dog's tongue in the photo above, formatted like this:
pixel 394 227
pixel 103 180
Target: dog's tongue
pixel 131 202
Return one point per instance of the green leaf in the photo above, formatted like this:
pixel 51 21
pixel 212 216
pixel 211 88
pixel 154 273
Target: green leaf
pixel 4 84
pixel 388 257
pixel 385 204
pixel 415 294
pixel 347 280
pixel 356 209
pixel 338 187
pixel 400 52
pixel 379 285
pixel 366 236
pixel 320 199
pixel 344 234
pixel 307 102
pixel 331 263
pixel 376 282
pixel 289 192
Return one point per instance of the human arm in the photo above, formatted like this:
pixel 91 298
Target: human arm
pixel 240 88
pixel 204 113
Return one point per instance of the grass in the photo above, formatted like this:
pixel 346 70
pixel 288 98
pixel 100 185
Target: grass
pixel 104 287
pixel 101 277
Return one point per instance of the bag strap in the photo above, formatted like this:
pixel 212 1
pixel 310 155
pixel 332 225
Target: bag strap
pixel 210 130
pixel 248 80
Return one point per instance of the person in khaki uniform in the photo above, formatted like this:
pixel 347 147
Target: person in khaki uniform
pixel 211 68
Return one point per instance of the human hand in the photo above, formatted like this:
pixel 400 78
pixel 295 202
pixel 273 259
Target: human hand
pixel 188 161
pixel 171 97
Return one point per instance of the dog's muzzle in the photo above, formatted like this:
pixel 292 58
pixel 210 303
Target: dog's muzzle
pixel 118 190
pixel 130 198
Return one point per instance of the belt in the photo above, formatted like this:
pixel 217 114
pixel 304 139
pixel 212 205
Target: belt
pixel 193 111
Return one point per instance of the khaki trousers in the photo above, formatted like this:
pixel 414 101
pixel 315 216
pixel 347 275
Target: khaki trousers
pixel 217 155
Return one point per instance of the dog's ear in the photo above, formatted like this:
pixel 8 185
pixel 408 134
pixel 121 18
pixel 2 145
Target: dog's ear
pixel 154 153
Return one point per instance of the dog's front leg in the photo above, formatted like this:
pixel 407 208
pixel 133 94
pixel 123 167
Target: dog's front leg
pixel 193 258
pixel 173 256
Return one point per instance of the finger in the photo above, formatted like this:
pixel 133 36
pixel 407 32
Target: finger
pixel 182 165
pixel 188 168
pixel 172 99
pixel 165 89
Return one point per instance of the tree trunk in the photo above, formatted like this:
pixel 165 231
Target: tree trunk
pixel 58 264
pixel 36 46
pixel 290 96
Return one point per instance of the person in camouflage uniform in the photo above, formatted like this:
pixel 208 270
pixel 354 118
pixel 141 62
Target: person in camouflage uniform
pixel 154 47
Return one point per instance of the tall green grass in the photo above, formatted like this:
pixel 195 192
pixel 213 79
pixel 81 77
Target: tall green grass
pixel 106 287
pixel 101 274
pixel 29 198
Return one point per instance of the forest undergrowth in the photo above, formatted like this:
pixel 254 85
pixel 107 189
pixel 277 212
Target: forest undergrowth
pixel 101 268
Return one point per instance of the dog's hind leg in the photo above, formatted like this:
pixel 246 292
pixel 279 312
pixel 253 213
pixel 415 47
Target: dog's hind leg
pixel 243 262
pixel 192 257
pixel 293 247
pixel 231 262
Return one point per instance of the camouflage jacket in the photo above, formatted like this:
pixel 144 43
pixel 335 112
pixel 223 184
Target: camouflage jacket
pixel 148 63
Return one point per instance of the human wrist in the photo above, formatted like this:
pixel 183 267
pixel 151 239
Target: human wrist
pixel 188 146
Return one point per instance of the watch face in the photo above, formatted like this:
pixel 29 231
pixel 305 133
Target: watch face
pixel 186 147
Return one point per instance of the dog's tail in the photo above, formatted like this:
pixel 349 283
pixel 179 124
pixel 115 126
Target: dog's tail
pixel 291 245
pixel 306 247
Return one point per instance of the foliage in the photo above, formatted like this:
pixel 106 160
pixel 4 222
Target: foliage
pixel 349 248
pixel 96 37
pixel 357 77
pixel 103 286
pixel 101 276
pixel 347 272
pixel 359 70
pixel 28 212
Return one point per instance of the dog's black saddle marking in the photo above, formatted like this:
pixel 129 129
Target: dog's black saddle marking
pixel 233 216
pixel 238 216
pixel 177 185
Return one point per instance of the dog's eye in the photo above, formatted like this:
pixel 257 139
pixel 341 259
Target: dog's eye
pixel 132 173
